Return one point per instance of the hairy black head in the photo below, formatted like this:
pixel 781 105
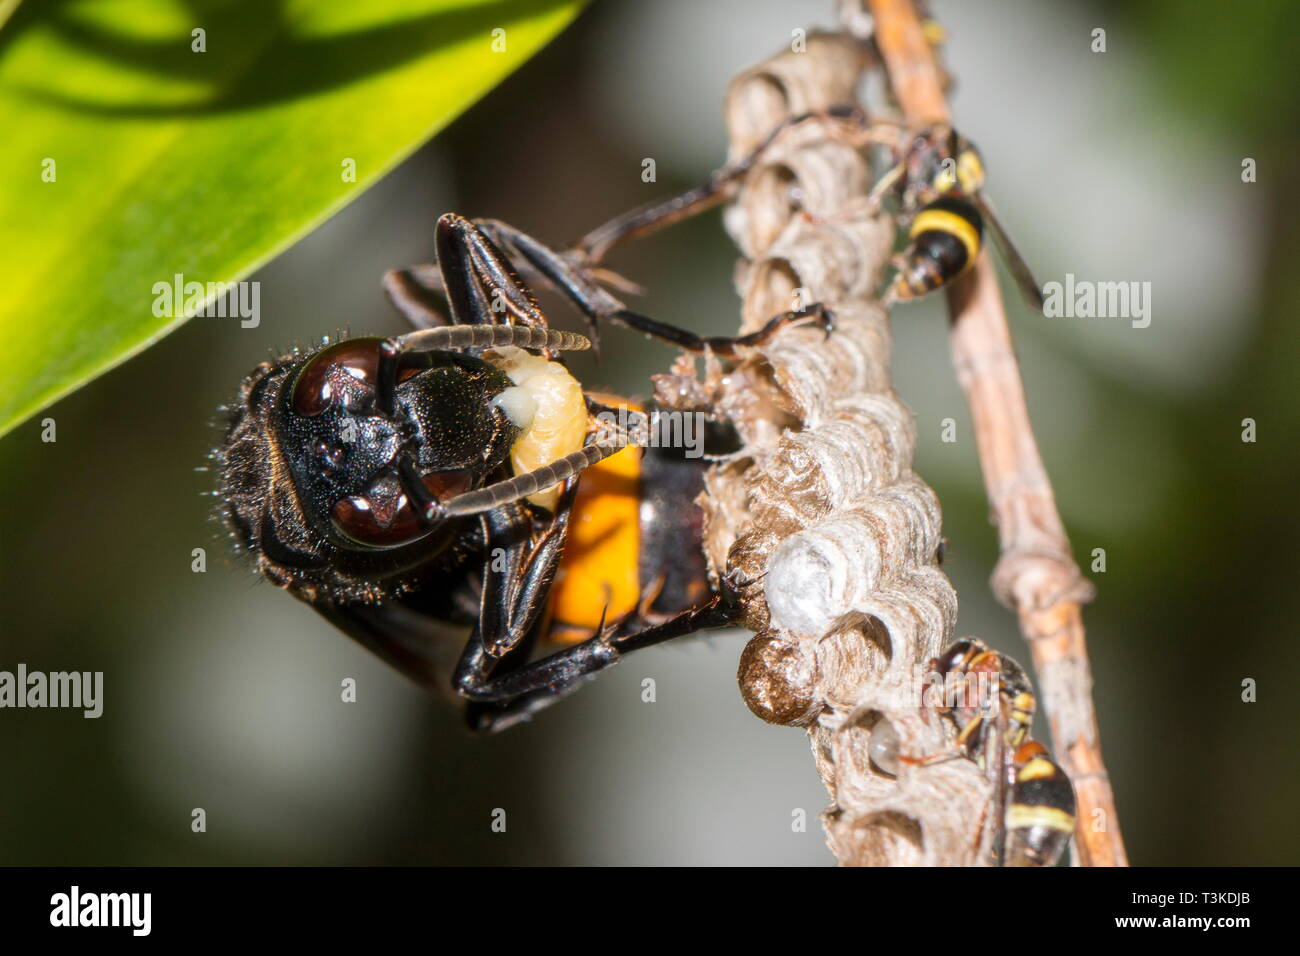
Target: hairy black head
pixel 310 479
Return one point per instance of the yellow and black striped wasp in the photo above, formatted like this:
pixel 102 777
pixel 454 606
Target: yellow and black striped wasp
pixel 988 696
pixel 938 177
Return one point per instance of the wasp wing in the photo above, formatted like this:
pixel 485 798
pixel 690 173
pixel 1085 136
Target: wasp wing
pixel 998 760
pixel 420 646
pixel 1015 262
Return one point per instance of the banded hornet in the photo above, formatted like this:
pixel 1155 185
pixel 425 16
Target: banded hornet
pixel 459 473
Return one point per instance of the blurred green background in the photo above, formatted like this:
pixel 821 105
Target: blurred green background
pixel 223 694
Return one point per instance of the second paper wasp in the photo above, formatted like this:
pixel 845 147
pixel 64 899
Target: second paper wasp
pixel 989 698
pixel 936 177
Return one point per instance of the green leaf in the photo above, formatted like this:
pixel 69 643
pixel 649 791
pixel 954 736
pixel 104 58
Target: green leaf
pixel 169 161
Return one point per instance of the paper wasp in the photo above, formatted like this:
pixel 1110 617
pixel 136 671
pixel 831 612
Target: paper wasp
pixel 459 473
pixel 936 176
pixel 989 698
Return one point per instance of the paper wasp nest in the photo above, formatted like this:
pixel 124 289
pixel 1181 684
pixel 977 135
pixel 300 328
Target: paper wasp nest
pixel 834 534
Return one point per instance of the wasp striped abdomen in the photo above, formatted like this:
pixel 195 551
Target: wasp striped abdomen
pixel 1040 817
pixel 1034 797
pixel 943 242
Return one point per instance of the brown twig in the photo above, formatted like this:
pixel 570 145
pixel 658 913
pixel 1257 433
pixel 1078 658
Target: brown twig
pixel 1036 575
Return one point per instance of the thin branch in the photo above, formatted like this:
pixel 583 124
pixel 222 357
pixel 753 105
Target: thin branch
pixel 1036 575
